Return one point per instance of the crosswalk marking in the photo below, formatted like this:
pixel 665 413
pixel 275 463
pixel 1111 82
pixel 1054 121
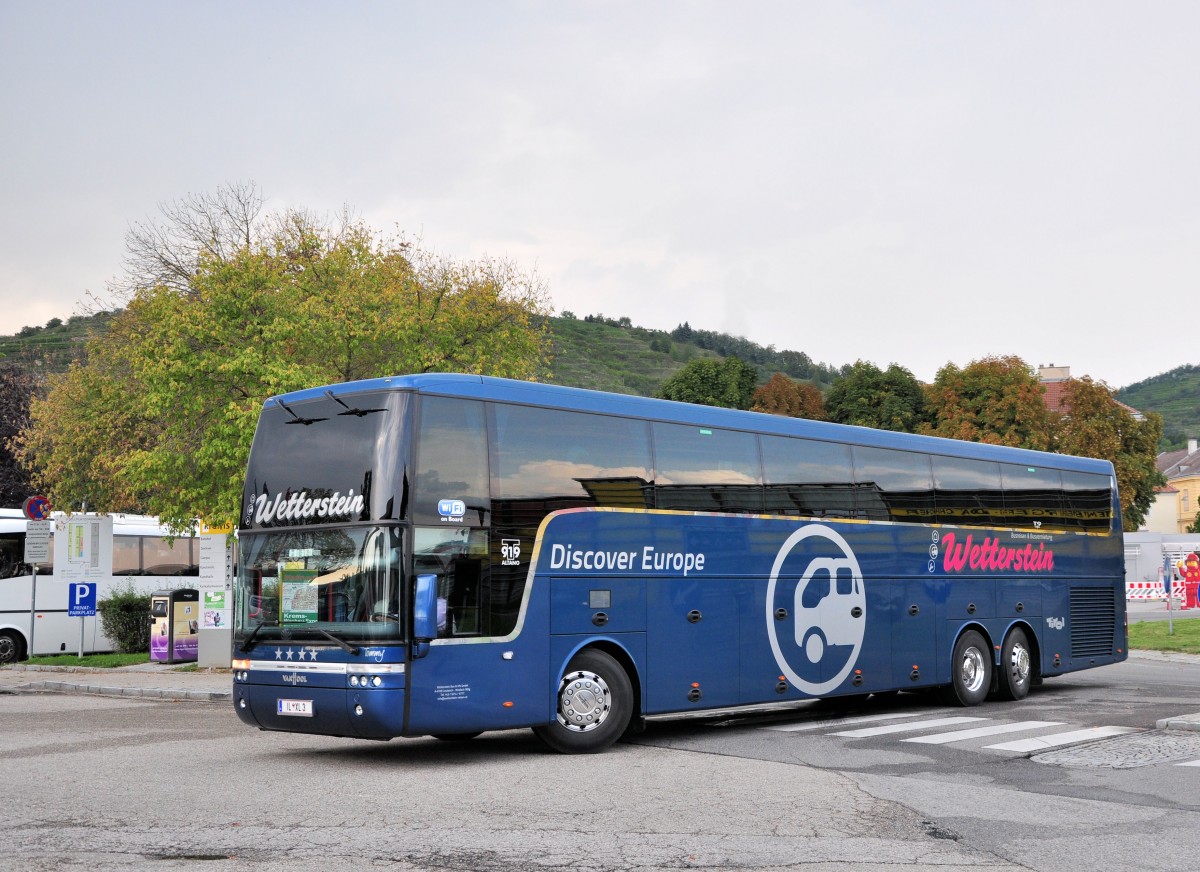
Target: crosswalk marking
pixel 824 725
pixel 905 722
pixel 1041 743
pixel 980 732
pixel 902 728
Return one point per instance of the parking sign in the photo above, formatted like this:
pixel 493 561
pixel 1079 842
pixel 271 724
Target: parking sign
pixel 81 600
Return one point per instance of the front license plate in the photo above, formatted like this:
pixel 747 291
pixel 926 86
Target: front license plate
pixel 301 708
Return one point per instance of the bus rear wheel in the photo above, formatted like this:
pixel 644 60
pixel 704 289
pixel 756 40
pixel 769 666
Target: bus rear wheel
pixel 970 670
pixel 10 647
pixel 594 705
pixel 1016 666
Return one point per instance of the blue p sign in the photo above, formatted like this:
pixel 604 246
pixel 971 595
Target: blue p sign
pixel 81 600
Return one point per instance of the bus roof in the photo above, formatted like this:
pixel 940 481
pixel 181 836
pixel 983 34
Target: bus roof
pixel 669 411
pixel 13 520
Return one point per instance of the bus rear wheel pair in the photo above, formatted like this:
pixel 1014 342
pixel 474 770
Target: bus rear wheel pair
pixel 971 669
pixel 594 705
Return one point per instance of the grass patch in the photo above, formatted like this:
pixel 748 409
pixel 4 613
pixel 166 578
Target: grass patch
pixel 100 661
pixel 1152 635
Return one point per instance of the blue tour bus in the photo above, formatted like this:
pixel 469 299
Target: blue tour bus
pixel 448 554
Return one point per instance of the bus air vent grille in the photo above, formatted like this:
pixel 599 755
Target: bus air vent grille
pixel 1093 616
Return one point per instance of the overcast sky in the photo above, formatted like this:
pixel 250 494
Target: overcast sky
pixel 909 182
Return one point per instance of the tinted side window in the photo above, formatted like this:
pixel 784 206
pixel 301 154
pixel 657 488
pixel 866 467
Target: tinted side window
pixel 452 459
pixel 893 485
pixel 968 492
pixel 12 552
pixel 161 558
pixel 1032 496
pixel 706 470
pixel 127 555
pixel 552 459
pixel 1087 501
pixel 807 478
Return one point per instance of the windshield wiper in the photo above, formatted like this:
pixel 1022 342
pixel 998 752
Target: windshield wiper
pixel 351 410
pixel 245 646
pixel 341 643
pixel 296 419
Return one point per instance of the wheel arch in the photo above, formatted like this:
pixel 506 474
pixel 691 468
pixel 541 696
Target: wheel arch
pixel 979 628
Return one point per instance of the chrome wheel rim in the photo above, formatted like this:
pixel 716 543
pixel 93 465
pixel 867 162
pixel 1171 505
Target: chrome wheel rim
pixel 584 701
pixel 973 670
pixel 1019 664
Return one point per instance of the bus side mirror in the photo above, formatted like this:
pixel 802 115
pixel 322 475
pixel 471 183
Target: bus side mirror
pixel 424 614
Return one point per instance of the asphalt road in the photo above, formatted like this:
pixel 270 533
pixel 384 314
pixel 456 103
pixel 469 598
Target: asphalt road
pixel 110 783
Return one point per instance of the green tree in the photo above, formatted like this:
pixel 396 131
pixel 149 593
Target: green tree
pixel 161 416
pixel 16 393
pixel 996 400
pixel 870 397
pixel 783 396
pixel 1097 425
pixel 727 382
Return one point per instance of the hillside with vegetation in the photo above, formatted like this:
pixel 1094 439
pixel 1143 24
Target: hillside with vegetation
pixel 606 354
pixel 53 347
pixel 612 354
pixel 1176 396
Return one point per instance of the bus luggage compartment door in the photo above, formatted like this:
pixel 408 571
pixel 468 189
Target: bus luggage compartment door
pixel 693 646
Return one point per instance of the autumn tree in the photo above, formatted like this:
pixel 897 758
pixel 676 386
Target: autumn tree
pixel 784 396
pixel 161 416
pixel 1096 425
pixel 727 382
pixel 997 400
pixel 16 391
pixel 870 397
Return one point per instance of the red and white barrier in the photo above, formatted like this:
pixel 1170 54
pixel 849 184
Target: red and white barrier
pixel 1150 590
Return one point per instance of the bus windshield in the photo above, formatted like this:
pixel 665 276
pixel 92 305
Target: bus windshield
pixel 301 583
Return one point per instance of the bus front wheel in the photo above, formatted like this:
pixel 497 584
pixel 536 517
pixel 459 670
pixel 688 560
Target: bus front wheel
pixel 1016 666
pixel 970 670
pixel 594 705
pixel 10 647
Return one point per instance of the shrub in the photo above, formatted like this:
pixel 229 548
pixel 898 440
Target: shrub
pixel 125 618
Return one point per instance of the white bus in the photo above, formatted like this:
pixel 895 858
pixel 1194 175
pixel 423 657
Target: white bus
pixel 142 556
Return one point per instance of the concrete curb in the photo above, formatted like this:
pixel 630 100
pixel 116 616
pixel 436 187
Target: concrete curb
pixel 1182 722
pixel 135 692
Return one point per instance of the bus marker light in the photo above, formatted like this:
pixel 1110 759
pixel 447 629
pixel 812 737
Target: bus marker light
pixel 358 710
pixel 507 655
pixel 508 705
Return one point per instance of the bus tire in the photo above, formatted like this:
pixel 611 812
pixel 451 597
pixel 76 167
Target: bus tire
pixel 593 705
pixel 11 647
pixel 970 670
pixel 1016 666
